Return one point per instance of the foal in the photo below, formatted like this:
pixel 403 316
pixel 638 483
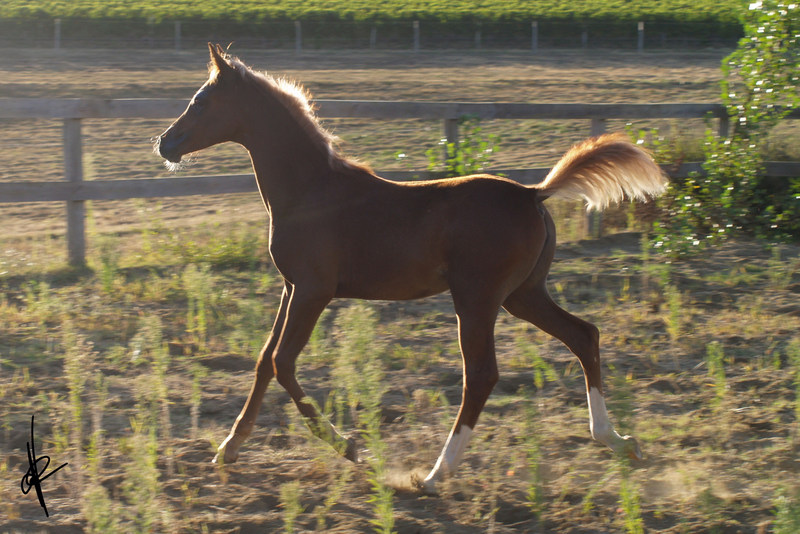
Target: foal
pixel 338 230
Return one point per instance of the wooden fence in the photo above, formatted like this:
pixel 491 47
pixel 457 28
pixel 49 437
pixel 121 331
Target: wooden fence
pixel 75 191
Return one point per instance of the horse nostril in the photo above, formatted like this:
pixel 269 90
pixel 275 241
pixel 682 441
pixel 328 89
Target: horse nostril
pixel 167 145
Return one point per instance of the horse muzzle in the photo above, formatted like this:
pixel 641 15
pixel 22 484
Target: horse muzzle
pixel 168 147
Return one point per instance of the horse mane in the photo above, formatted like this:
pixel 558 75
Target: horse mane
pixel 297 101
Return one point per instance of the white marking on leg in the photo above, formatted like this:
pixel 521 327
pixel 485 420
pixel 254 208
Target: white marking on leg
pixel 602 430
pixel 599 424
pixel 450 457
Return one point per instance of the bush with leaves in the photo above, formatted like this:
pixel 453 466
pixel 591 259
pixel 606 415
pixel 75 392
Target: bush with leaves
pixel 759 88
pixel 470 154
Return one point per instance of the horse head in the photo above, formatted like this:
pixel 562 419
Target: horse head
pixel 212 116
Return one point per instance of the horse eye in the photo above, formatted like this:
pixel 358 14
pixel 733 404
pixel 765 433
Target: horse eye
pixel 200 99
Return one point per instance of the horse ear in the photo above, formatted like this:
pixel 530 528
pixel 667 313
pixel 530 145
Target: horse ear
pixel 218 58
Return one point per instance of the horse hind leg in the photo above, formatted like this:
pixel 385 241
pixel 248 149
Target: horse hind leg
pixel 535 305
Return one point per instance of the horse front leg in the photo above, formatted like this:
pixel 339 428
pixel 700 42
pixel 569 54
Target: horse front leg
pixel 476 338
pixel 228 451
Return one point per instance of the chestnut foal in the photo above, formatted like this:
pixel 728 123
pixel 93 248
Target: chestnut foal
pixel 338 230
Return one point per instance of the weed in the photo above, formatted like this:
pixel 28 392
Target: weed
pixel 109 256
pixel 711 506
pixel 409 358
pixel 290 502
pixel 494 471
pixel 470 154
pixel 198 283
pixel 793 359
pixel 358 352
pixel 382 495
pixel 588 499
pixel 99 509
pixel 360 368
pixel 79 359
pixel 337 488
pixel 715 360
pixel 560 294
pixel 318 345
pixel 532 444
pixel 147 340
pixel 621 404
pixel 198 373
pixel 629 500
pixel 787 511
pixel 530 358
pixel 779 272
pixel 160 368
pixel 146 510
pixel 239 247
pixel 249 326
pixel 152 392
pixel 675 314
pixel 41 303
pixel 620 401
pixel 99 398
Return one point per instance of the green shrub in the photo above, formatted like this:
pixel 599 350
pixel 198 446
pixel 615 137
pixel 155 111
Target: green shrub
pixel 759 88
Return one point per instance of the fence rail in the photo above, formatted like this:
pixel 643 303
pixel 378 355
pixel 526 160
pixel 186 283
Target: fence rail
pixel 74 190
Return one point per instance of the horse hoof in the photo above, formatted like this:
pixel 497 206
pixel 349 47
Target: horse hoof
pixel 424 486
pixel 632 448
pixel 222 458
pixel 226 453
pixel 351 451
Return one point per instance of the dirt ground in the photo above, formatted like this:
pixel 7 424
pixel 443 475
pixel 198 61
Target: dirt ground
pixel 710 465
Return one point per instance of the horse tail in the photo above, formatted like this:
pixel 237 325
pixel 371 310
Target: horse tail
pixel 604 170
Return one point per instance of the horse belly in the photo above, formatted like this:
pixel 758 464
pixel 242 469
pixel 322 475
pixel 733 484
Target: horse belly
pixel 385 273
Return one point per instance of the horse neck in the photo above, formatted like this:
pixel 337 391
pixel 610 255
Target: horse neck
pixel 287 162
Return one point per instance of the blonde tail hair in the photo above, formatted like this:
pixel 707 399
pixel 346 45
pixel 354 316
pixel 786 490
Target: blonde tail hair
pixel 604 170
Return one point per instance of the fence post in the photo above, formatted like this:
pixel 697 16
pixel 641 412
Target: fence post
pixel 640 38
pixel 373 38
pixel 598 127
pixel 298 37
pixel 594 218
pixel 76 210
pixel 535 36
pixel 177 35
pixel 416 36
pixel 451 137
pixel 151 31
pixel 724 126
pixel 57 34
pixel 478 38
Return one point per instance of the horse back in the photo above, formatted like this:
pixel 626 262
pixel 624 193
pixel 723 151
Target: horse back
pixel 410 239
